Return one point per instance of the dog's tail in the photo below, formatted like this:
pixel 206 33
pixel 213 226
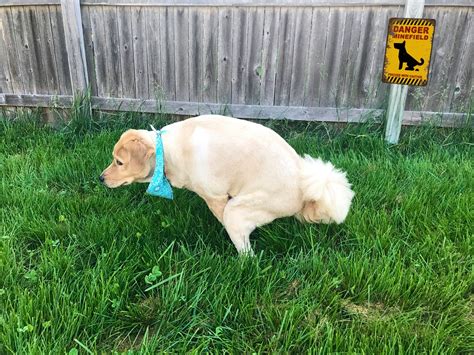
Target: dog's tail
pixel 327 194
pixel 421 62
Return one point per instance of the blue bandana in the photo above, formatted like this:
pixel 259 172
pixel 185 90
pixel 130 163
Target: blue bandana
pixel 159 184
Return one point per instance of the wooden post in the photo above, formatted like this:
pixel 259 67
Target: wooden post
pixel 398 93
pixel 76 53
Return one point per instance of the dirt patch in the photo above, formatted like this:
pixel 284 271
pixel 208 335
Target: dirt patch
pixel 145 311
pixel 293 288
pixel 133 341
pixel 372 310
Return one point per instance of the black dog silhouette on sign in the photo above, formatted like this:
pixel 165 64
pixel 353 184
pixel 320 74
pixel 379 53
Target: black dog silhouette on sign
pixel 404 57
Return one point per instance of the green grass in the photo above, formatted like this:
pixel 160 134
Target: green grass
pixel 88 268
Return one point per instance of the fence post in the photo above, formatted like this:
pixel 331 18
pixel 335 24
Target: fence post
pixel 76 52
pixel 398 93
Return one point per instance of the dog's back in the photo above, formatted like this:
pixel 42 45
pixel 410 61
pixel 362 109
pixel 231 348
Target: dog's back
pixel 232 156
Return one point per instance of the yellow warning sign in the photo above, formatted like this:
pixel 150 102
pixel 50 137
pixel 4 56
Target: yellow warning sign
pixel 408 51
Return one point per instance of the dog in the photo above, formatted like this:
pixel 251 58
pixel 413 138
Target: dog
pixel 245 172
pixel 404 57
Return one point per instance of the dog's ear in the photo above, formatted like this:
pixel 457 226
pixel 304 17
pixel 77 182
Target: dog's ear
pixel 135 148
pixel 137 144
pixel 127 136
pixel 150 148
pixel 150 152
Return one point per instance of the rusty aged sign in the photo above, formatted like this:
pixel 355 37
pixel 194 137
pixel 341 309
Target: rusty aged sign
pixel 408 51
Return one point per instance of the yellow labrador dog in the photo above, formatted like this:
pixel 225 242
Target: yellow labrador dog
pixel 247 174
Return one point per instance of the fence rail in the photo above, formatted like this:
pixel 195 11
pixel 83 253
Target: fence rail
pixel 304 59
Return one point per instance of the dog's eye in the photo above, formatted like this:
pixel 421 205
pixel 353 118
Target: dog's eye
pixel 118 162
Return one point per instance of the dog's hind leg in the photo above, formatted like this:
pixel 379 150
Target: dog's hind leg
pixel 241 216
pixel 217 206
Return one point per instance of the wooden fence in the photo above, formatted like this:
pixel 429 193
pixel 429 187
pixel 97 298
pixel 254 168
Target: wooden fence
pixel 302 59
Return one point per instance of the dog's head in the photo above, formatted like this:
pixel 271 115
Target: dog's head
pixel 399 45
pixel 133 160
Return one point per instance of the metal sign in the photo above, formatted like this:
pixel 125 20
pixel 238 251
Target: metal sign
pixel 408 51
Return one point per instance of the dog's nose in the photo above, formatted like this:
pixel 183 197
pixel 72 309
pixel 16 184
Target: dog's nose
pixel 101 178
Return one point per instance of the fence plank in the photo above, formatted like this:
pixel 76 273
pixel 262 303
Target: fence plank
pixel 195 54
pixel 459 24
pixel 89 47
pixel 239 59
pixel 22 55
pixel 446 48
pixel 269 55
pixel 379 90
pixel 359 60
pixel 368 59
pixel 6 45
pixel 39 38
pixel 155 79
pixel 336 60
pixel 299 72
pixel 112 56
pixel 224 55
pixel 167 55
pixel 210 60
pixel 59 42
pixel 98 38
pixel 76 53
pixel 5 83
pixel 181 30
pixel 140 52
pixel 32 50
pixel 254 55
pixel 463 90
pixel 351 36
pixel 285 56
pixel 355 46
pixel 125 44
pixel 317 51
pixel 45 42
pixel 334 34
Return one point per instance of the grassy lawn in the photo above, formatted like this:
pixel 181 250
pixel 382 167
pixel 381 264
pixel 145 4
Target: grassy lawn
pixel 88 268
